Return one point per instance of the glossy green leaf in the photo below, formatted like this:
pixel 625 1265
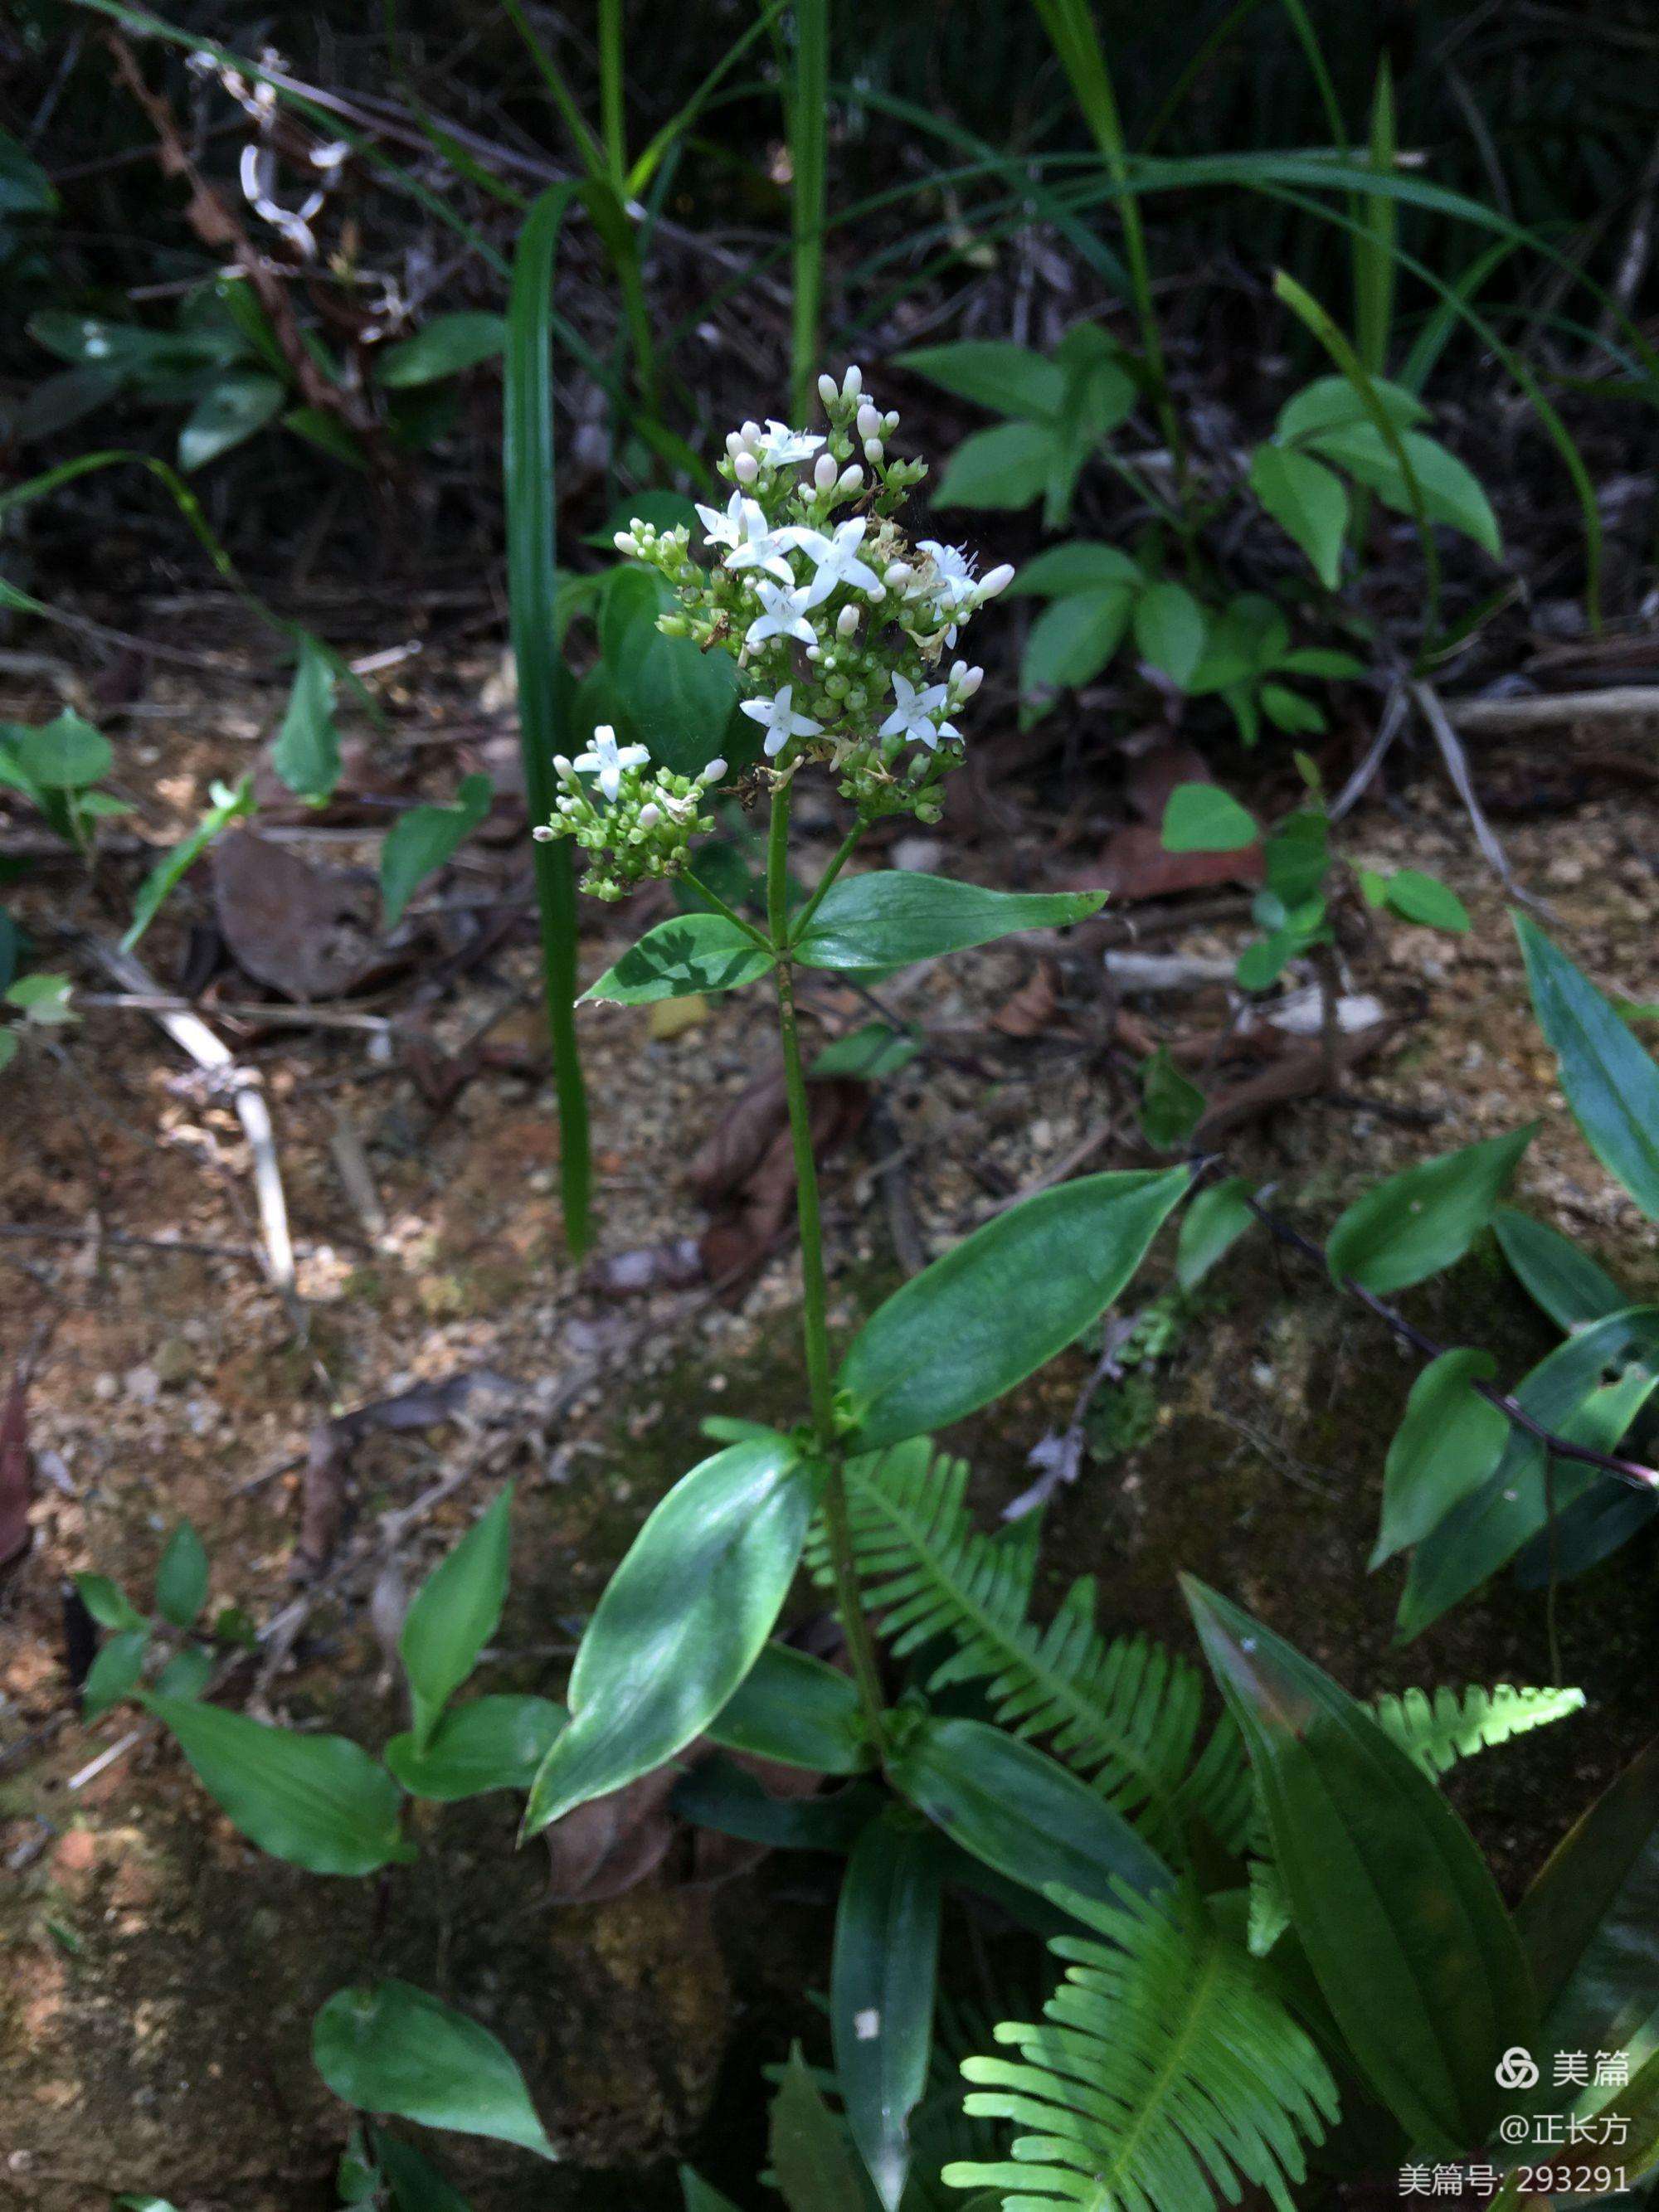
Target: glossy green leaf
pixel 1082 566
pixel 320 1801
pixel 421 840
pixel 1073 639
pixel 1007 467
pixel 1002 1302
pixel 692 952
pixel 1425 1218
pixel 1416 897
pixel 890 917
pixel 1009 1804
pixel 113 1674
pixel 1309 502
pixel 1590 1922
pixel 1611 1083
pixel 796 1709
pixel 107 1602
pixel 1211 1226
pixel 1566 1393
pixel 680 1623
pixel 306 753
pixel 992 373
pixel 181 1580
pixel 1447 1444
pixel 677 701
pixel 454 1613
pixel 882 1987
pixel 811 2160
pixel 448 345
pixel 718 1794
pixel 416 2185
pixel 1563 1278
pixel 490 1743
pixel 1202 818
pixel 389 2047
pixel 1396 1911
pixel 236 407
pixel 1170 629
pixel 871 1053
pixel 1450 493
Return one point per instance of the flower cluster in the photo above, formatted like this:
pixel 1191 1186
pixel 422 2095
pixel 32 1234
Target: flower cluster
pixel 646 823
pixel 840 623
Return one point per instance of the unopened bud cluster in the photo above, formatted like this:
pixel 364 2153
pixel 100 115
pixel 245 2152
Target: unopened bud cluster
pixel 646 823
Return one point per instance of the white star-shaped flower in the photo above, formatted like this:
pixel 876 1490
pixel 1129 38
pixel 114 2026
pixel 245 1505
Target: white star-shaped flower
pixel 835 559
pixel 779 445
pixel 919 715
pixel 953 587
pixel 606 759
pixel 778 718
pixel 784 616
pixel 749 539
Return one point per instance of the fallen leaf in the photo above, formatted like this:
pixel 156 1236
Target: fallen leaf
pixel 672 1017
pixel 16 1476
pixel 1028 1012
pixel 322 1501
pixel 745 1172
pixel 1155 771
pixel 1136 865
pixel 307 931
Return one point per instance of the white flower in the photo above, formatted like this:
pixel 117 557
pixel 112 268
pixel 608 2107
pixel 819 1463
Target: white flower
pixel 777 717
pixel 606 760
pixel 954 587
pixel 784 616
pixel 913 718
pixel 748 536
pixel 835 559
pixel 779 444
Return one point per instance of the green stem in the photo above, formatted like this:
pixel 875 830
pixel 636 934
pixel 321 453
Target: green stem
pixel 844 853
pixel 729 912
pixel 815 1328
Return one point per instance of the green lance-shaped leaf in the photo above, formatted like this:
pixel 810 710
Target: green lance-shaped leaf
pixel 1010 1805
pixel 229 805
pixel 1211 1226
pixel 1202 818
pixel 993 372
pixel 455 1612
pixel 1447 1444
pixel 1565 1281
pixel 812 2162
pixel 1309 503
pixel 389 2047
pixel 795 1708
pixel 1170 629
pixel 320 1801
pixel 448 345
pixel 882 1989
pixel 1416 897
pixel 1073 639
pixel 1611 1083
pixel 113 1674
pixel 693 953
pixel 1426 1217
pixel 1396 1910
pixel 1002 1302
pixel 1007 467
pixel 493 1743
pixel 306 753
pixel 1081 566
pixel 887 919
pixel 1567 1393
pixel 181 1580
pixel 233 409
pixel 701 2195
pixel 1590 1922
pixel 420 841
pixel 680 1623
pixel 107 1602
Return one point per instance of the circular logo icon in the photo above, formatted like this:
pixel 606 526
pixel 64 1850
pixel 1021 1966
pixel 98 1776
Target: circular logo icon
pixel 1518 2068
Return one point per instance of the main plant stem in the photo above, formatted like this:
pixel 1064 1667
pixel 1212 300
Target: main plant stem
pixel 815 1328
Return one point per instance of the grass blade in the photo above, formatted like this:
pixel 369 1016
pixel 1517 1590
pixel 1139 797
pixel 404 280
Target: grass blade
pixel 808 123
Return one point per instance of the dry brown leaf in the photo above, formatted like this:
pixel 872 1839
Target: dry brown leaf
pixel 746 1172
pixel 1138 868
pixel 1028 1012
pixel 307 931
pixel 16 1476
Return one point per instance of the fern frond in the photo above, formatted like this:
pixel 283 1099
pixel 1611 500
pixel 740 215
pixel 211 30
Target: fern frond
pixel 1454 1724
pixel 1125 1713
pixel 1166 2072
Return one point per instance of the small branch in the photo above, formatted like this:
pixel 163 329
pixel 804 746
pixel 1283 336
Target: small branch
pixel 1618 702
pixel 1457 767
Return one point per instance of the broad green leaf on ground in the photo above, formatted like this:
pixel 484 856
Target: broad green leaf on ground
pixel 232 409
pixel 306 753
pixel 320 1801
pixel 1425 1218
pixel 1081 566
pixel 1170 629
pixel 389 2047
pixel 181 1580
pixel 1201 817
pixel 1396 1911
pixel 881 1990
pixel 1447 1444
pixel 680 1623
pixel 454 1613
pixel 1007 467
pixel 421 840
pixel 1002 1302
pixel 992 373
pixel 795 1709
pixel 1416 897
pixel 1309 503
pixel 693 953
pixel 490 1743
pixel 1563 1278
pixel 1611 1083
pixel 1566 1393
pixel 812 2162
pixel 1211 1226
pixel 1006 1803
pixel 1073 638
pixel 448 345
pixel 890 917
